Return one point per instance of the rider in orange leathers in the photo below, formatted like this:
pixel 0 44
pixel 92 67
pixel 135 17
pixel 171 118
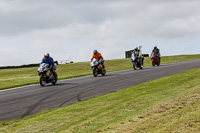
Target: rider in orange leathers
pixel 97 55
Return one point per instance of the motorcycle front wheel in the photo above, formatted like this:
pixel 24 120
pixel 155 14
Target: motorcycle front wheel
pixel 95 72
pixel 153 64
pixel 42 80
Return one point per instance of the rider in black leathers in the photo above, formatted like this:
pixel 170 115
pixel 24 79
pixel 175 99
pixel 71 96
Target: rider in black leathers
pixel 156 51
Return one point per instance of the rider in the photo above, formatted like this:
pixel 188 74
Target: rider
pixel 97 55
pixel 137 52
pixel 48 60
pixel 156 51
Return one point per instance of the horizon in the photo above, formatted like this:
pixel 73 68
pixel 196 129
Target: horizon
pixel 73 29
pixel 86 61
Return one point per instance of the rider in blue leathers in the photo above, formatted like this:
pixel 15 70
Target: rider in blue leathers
pixel 48 60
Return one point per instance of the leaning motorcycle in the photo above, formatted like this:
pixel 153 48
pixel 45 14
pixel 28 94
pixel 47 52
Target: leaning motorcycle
pixel 97 67
pixel 155 60
pixel 136 60
pixel 46 75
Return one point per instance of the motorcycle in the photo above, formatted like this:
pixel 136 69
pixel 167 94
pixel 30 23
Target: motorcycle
pixel 155 60
pixel 97 67
pixel 46 75
pixel 136 62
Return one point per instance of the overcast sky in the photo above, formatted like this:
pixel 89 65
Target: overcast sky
pixel 74 28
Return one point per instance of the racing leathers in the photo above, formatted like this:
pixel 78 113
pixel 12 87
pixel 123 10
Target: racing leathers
pixel 99 57
pixel 137 52
pixel 49 61
pixel 156 51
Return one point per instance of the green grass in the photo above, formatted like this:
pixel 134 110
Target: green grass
pixel 18 77
pixel 169 104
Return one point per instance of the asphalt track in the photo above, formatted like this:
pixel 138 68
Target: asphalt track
pixel 20 102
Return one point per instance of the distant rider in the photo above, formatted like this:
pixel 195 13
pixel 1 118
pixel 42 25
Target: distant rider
pixel 97 55
pixel 137 52
pixel 48 60
pixel 156 51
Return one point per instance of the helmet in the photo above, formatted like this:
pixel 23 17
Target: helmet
pixel 95 52
pixel 46 56
pixel 155 47
pixel 136 48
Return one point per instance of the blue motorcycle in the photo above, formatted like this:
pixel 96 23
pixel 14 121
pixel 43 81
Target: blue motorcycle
pixel 136 60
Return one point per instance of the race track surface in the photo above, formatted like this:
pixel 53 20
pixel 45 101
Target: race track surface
pixel 19 102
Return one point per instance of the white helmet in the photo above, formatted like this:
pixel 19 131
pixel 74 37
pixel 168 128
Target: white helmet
pixel 46 56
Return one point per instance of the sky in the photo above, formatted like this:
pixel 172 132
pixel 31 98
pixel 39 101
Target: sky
pixel 72 29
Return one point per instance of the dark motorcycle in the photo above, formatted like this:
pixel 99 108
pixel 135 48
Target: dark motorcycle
pixel 155 60
pixel 136 62
pixel 97 67
pixel 47 75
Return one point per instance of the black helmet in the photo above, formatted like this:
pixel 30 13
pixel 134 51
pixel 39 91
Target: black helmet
pixel 46 56
pixel 95 52
pixel 136 49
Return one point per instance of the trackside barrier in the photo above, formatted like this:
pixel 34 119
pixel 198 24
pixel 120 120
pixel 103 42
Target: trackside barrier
pixel 23 66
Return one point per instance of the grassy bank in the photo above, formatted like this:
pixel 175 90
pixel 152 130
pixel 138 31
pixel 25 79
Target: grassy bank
pixel 18 77
pixel 170 104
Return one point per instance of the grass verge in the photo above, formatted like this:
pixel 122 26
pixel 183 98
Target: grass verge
pixel 18 77
pixel 169 104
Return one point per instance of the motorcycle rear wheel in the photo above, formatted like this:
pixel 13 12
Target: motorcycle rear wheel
pixel 103 72
pixel 134 65
pixel 141 67
pixel 42 80
pixel 158 64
